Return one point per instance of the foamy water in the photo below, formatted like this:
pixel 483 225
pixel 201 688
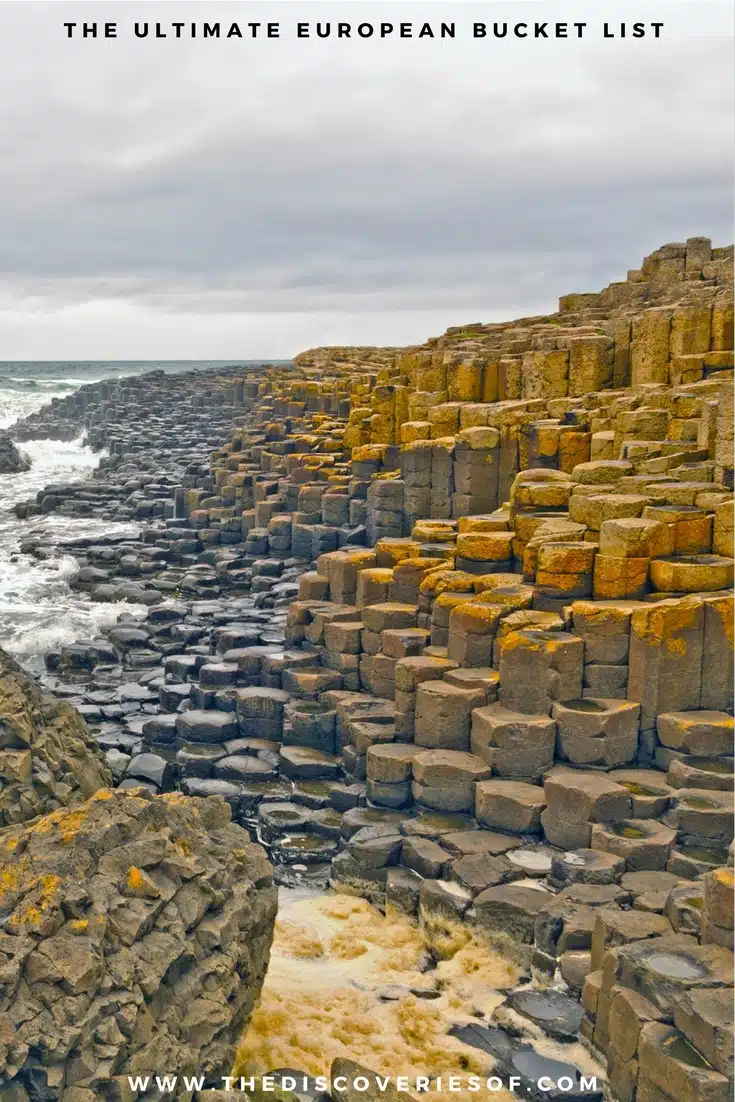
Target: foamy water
pixel 332 955
pixel 38 610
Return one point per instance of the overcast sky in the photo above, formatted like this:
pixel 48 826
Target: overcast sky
pixel 163 199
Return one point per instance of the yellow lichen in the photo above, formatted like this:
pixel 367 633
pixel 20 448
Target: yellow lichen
pixel 725 609
pixel 47 889
pixel 102 794
pixel 517 640
pixel 178 799
pixel 662 625
pixel 11 877
pixel 134 881
pixel 67 821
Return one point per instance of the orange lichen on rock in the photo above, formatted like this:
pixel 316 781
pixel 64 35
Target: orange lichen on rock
pixel 139 884
pixel 41 896
pixel 661 625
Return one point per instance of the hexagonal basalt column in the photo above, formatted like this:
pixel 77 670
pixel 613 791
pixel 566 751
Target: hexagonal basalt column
pixel 604 627
pixel 260 712
pixel 663 968
pixel 702 816
pixel 692 573
pixel 644 843
pixel 575 801
pixel 309 723
pixel 303 763
pixel 389 770
pixel 565 569
pixel 509 911
pixel 388 614
pixel 585 866
pixel 717 658
pixel 409 673
pixel 649 794
pixel 620 578
pixel 485 552
pixel 472 628
pixel 445 779
pixel 276 818
pixel 717 910
pixel 665 660
pixel 206 726
pixel 596 731
pixel 513 744
pixel 443 715
pixel 538 668
pixel 702 733
pixel 308 681
pixel 390 762
pixel 691 771
pixel 512 806
pixel 670 1067
pixel 691 527
pixel 690 861
pixel 373 585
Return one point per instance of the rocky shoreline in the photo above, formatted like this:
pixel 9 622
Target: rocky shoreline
pixel 449 628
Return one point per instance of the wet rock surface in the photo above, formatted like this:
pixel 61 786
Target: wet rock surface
pixel 12 460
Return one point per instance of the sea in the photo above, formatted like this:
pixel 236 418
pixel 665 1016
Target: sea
pixel 38 609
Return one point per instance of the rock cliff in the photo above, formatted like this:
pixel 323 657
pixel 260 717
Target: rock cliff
pixel 135 938
pixel 47 754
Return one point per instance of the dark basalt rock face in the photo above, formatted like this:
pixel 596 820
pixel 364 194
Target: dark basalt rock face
pixel 12 461
pixel 136 932
pixel 48 759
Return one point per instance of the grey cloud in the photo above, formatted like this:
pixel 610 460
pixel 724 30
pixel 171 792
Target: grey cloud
pixel 340 178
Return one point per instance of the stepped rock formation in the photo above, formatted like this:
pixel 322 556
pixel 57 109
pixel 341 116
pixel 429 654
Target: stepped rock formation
pixel 136 935
pixel 48 758
pixel 456 623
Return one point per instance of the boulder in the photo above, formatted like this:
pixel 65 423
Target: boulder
pixel 12 461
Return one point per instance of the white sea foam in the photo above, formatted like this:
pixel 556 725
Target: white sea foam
pixel 50 624
pixel 38 610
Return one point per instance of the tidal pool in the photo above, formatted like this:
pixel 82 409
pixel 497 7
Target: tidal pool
pixel 675 967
